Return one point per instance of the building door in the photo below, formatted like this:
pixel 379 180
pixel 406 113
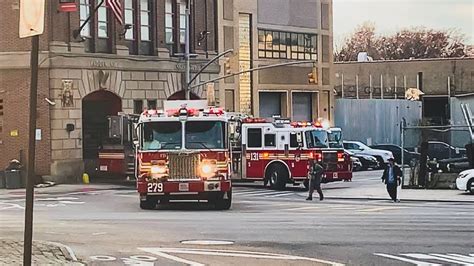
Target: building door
pixel 96 107
pixel 302 103
pixel 270 104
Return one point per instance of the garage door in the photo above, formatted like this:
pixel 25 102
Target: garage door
pixel 270 104
pixel 302 102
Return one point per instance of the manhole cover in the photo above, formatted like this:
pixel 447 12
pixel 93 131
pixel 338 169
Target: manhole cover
pixel 207 242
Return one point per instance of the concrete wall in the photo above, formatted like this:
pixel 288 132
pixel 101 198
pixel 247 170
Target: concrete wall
pixel 376 121
pixel 435 73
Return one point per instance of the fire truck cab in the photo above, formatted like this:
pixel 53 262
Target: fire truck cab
pixel 183 154
pixel 279 151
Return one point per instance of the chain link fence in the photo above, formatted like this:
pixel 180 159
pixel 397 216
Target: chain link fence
pixel 433 156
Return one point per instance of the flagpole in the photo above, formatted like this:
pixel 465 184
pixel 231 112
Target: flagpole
pixel 187 51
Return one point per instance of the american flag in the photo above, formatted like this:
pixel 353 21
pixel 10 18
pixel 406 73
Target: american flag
pixel 116 6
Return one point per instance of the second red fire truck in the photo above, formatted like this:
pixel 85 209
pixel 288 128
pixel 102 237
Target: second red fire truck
pixel 279 152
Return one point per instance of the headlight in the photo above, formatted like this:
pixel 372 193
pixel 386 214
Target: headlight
pixel 158 169
pixel 207 169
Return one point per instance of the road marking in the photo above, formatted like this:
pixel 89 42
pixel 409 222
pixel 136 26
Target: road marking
pixel 234 253
pixel 103 258
pixel 280 195
pixel 157 251
pixel 143 258
pixel 378 209
pixel 9 206
pixel 135 262
pixel 443 258
pixel 419 263
pixel 303 208
pixel 457 257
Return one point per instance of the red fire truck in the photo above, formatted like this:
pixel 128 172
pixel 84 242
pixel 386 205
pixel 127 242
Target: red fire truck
pixel 279 152
pixel 116 158
pixel 183 154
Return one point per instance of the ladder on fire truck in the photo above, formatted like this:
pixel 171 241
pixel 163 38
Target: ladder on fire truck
pixel 235 143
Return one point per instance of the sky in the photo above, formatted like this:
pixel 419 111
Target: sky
pixel 392 15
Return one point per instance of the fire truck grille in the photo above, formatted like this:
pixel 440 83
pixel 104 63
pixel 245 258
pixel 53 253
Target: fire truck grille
pixel 183 166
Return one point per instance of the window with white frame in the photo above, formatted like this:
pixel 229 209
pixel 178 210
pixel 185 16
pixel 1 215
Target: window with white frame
pixel 129 19
pixel 182 21
pixel 169 17
pixel 145 20
pixel 102 22
pixel 84 12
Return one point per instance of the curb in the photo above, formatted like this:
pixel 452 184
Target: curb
pixel 67 251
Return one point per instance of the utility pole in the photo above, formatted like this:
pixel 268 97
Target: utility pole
pixel 187 52
pixel 31 25
pixel 30 182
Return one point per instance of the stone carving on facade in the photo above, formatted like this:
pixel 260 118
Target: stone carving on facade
pixel 103 77
pixel 67 96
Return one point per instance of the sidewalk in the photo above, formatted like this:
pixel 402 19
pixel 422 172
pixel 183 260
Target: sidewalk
pixel 44 253
pixel 378 191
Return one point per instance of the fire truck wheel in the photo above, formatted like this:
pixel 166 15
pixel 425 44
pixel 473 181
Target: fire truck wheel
pixel 223 204
pixel 278 176
pixel 148 204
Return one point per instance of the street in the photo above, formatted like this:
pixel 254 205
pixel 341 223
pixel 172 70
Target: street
pixel 107 227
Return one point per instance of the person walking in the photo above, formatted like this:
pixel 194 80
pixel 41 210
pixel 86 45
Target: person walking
pixel 315 175
pixel 392 178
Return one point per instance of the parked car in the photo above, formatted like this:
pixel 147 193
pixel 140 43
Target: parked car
pixel 358 147
pixel 367 161
pixel 408 156
pixel 440 150
pixel 465 181
pixel 356 164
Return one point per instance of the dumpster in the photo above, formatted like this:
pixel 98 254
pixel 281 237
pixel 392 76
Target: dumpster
pixel 13 175
pixel 2 179
pixel 12 179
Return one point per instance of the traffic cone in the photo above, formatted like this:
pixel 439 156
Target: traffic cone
pixel 85 178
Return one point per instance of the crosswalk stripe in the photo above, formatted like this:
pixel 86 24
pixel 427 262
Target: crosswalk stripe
pixel 279 195
pixel 443 258
pixel 248 192
pixel 433 257
pixel 416 262
pixel 260 193
pixel 460 257
pixel 303 208
pixel 377 209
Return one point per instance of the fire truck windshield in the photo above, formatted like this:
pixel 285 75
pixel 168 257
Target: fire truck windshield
pixel 161 136
pixel 205 135
pixel 317 139
pixel 335 139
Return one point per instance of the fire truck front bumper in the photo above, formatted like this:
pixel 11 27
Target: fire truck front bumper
pixel 184 190
pixel 337 176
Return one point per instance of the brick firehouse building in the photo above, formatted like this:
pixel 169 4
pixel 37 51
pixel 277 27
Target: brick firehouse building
pixel 110 68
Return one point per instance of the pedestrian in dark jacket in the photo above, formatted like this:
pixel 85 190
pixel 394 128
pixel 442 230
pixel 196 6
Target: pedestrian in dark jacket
pixel 315 175
pixel 392 178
